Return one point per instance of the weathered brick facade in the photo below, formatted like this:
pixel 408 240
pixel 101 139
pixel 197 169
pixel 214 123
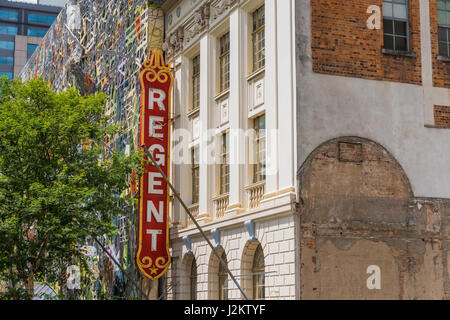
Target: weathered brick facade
pixel 343 45
pixel 442 116
pixel 441 69
pixel 358 214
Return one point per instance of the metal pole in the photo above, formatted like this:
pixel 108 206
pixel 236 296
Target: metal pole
pixel 193 220
pixel 167 290
pixel 120 267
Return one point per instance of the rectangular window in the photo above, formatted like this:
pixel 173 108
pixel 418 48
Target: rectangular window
pixel 31 47
pixel 10 30
pixel 224 165
pixel 34 32
pixel 195 174
pixel 9 15
pixel 259 168
pixel 9 75
pixel 196 82
pixel 40 18
pixel 395 25
pixel 7 60
pixel 443 14
pixel 258 37
pixel 6 45
pixel 225 62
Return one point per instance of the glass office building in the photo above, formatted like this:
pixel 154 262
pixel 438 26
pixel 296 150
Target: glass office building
pixel 22 26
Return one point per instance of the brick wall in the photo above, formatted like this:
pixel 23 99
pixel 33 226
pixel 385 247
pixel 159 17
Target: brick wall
pixel 442 116
pixel 441 69
pixel 343 45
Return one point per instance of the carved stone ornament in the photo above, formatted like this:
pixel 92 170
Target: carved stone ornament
pixel 198 23
pixel 174 42
pixel 220 7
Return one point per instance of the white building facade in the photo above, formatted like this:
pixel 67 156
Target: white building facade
pixel 233 153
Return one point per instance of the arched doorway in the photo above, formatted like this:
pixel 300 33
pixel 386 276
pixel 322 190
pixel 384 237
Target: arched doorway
pixel 354 208
pixel 253 270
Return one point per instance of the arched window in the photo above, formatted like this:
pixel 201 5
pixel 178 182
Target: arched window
pixel 258 274
pixel 223 279
pixel 193 279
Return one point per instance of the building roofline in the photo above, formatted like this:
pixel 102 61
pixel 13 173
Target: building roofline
pixel 30 6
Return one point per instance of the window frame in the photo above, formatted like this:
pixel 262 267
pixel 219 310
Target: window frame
pixel 193 279
pixel 9 75
pixel 9 60
pixel 32 44
pixel 224 171
pixel 40 15
pixel 393 19
pixel 222 276
pixel 255 31
pixel 195 83
pixel 445 27
pixel 10 26
pixel 36 29
pixel 12 11
pixel 258 273
pixel 6 42
pixel 259 168
pixel 224 62
pixel 195 174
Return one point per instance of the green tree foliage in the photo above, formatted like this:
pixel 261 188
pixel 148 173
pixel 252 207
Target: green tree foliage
pixel 57 184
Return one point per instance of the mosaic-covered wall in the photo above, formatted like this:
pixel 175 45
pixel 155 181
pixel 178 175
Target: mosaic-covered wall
pixel 99 45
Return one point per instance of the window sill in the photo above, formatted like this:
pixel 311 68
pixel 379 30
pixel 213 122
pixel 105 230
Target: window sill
pixel 222 94
pixel 443 58
pixel 193 112
pixel 256 73
pixel 409 54
pixel 435 127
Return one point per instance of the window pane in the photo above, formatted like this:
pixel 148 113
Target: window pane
pixel 32 32
pixel 400 44
pixel 9 15
pixel 389 42
pixel 31 47
pixel 443 49
pixel 441 4
pixel 442 17
pixel 9 75
pixel 6 45
pixel 8 30
pixel 442 34
pixel 387 10
pixel 400 11
pixel 7 60
pixel 258 18
pixel 39 18
pixel 400 28
pixel 388 26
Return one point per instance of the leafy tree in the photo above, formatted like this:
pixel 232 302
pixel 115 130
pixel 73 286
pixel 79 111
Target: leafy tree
pixel 57 184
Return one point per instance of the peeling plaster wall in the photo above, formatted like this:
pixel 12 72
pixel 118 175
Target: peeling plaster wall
pixel 357 210
pixel 385 202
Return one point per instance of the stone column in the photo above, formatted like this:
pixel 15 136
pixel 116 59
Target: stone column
pixel 237 145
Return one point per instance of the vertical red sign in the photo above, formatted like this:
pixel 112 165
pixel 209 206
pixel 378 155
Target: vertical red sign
pixel 156 80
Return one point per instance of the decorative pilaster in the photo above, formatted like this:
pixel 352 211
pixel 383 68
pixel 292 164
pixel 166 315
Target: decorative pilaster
pixel 237 151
